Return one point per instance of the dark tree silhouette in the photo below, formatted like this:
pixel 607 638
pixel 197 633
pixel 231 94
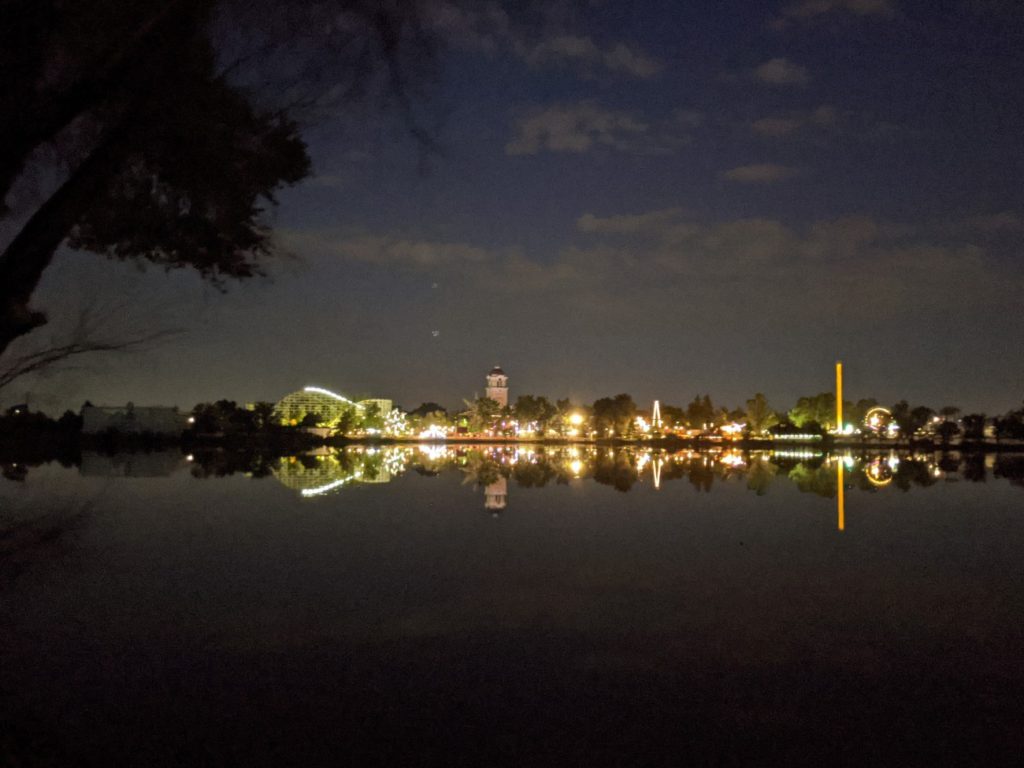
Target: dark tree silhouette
pixel 164 157
pixel 974 426
pixel 614 414
pixel 910 420
pixel 170 162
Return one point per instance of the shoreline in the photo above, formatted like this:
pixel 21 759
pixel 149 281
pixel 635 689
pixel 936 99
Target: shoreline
pixel 68 447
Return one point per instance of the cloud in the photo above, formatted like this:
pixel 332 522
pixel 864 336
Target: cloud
pixel 781 71
pixel 986 226
pixel 628 223
pixel 584 53
pixel 327 180
pixel 1007 221
pixel 809 9
pixel 574 128
pixel 776 126
pixel 482 27
pixel 386 250
pixel 670 254
pixel 824 115
pixel 586 125
pixel 688 118
pixel 847 272
pixel 486 28
pixel 759 173
pixel 621 58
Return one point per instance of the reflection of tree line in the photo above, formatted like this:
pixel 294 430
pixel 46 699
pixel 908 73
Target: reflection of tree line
pixel 623 468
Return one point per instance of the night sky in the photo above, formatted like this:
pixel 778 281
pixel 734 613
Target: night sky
pixel 656 198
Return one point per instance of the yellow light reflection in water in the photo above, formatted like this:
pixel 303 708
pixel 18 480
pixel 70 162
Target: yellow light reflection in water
pixel 840 499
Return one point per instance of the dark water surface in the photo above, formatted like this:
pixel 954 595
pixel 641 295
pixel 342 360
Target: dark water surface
pixel 513 607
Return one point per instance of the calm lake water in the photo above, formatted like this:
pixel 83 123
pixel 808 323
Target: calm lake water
pixel 509 606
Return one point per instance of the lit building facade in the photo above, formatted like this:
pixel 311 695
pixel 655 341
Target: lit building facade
pixel 328 406
pixel 497 386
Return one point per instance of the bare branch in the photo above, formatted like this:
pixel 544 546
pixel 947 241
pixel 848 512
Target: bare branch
pixel 85 339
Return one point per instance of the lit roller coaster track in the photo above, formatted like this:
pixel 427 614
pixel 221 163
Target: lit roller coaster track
pixel 322 391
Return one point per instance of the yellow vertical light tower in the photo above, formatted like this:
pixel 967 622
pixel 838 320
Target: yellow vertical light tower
pixel 839 396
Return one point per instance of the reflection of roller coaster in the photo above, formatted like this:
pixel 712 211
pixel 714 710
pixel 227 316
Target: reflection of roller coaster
pixel 315 475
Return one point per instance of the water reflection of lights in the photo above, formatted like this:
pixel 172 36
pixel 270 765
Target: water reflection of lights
pixel 307 492
pixel 732 459
pixel 434 452
pixel 394 461
pixel 840 496
pixel 879 472
pixel 327 470
pixel 804 454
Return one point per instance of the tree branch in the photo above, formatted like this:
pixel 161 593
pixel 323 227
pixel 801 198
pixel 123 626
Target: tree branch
pixel 84 340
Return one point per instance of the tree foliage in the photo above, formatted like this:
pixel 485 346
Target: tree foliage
pixel 534 409
pixel 614 414
pixel 759 415
pixel 163 155
pixel 701 413
pixel 483 414
pixel 974 426
pixel 817 409
pixel 910 419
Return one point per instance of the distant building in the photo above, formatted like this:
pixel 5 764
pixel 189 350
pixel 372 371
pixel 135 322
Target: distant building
pixel 384 405
pixel 129 419
pixel 328 406
pixel 497 386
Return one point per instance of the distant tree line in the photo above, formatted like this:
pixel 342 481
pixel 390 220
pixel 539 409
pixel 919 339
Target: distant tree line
pixel 616 417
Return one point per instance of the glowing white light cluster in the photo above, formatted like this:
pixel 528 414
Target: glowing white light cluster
pixel 433 432
pixel 787 454
pixel 396 423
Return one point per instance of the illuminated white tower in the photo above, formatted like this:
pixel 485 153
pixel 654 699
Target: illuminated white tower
pixel 497 386
pixel 656 415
